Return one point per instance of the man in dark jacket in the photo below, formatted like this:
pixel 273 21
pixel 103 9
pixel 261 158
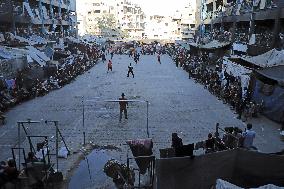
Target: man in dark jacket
pixel 123 106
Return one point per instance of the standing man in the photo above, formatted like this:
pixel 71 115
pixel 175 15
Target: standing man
pixel 249 136
pixel 176 60
pixel 130 70
pixel 159 58
pixel 123 106
pixel 109 66
pixel 103 57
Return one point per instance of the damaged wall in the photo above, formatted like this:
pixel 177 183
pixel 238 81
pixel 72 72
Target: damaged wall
pixel 9 67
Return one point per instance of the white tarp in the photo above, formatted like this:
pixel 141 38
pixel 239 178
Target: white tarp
pixel 34 56
pixel 211 45
pixel 252 40
pixel 37 39
pixel 2 38
pixel 39 53
pixel 22 39
pixel 45 15
pixel 240 47
pixel 37 13
pixel 5 54
pixel 10 53
pixel 237 70
pixel 221 184
pixel 28 8
pixel 37 56
pixel 268 59
pixel 73 39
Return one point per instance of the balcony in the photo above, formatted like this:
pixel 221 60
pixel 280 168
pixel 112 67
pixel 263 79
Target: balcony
pixel 56 3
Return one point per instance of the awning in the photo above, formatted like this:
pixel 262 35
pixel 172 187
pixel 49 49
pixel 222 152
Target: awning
pixel 268 59
pixel 275 73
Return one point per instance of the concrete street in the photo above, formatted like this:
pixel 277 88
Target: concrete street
pixel 177 104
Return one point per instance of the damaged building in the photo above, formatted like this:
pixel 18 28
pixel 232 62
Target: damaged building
pixel 38 17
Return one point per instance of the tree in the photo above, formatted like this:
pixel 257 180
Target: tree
pixel 106 22
pixel 108 27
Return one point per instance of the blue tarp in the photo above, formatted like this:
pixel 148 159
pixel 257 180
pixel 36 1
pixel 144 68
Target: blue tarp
pixel 11 84
pixel 273 98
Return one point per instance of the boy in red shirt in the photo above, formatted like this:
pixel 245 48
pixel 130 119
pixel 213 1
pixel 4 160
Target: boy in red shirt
pixel 109 66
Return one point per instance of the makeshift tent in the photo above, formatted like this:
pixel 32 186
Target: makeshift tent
pixel 240 167
pixel 275 73
pixel 211 45
pixel 269 89
pixel 268 59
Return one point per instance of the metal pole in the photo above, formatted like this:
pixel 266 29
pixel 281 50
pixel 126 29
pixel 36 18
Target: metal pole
pixel 147 118
pixel 84 133
pixel 56 125
pixel 217 130
pixel 19 143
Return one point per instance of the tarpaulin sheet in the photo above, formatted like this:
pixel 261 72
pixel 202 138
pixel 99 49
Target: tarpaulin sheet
pixel 211 45
pixel 26 5
pixel 5 54
pixel 221 184
pixel 39 53
pixel 273 98
pixel 37 39
pixel 141 147
pixel 240 167
pixel 237 70
pixel 11 84
pixel 268 59
pixel 276 73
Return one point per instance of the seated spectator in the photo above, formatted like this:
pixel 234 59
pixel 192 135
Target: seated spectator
pixel 210 144
pixel 176 141
pixel 31 157
pixel 9 172
pixel 228 138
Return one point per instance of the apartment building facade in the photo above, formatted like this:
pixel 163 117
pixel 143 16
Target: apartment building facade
pixel 129 18
pixel 41 17
pixel 179 26
pixel 252 26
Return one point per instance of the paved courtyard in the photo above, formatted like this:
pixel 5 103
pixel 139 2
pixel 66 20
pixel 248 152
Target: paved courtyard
pixel 176 104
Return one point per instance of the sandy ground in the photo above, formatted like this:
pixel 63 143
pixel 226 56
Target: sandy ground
pixel 176 104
